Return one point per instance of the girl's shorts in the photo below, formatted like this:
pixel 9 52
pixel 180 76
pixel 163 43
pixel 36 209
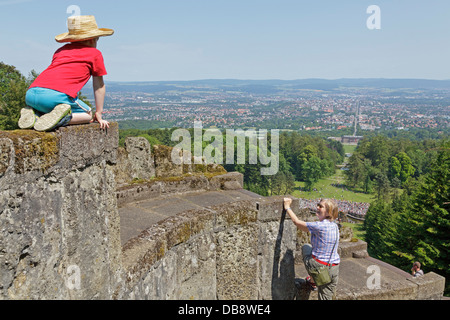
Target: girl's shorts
pixel 44 100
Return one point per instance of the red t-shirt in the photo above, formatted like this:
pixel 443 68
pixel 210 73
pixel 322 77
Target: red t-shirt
pixel 71 68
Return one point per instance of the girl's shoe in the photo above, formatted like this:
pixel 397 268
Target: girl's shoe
pixel 52 120
pixel 27 118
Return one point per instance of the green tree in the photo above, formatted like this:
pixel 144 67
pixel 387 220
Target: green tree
pixel 276 183
pixel 283 182
pixel 395 168
pixel 382 186
pixel 380 228
pixel 430 213
pixel 302 157
pixel 356 172
pixel 378 151
pixel 152 140
pixel 312 172
pixel 289 183
pixel 361 173
pixel 414 227
pixel 407 168
pixel 13 87
pixel 401 167
pixel 367 176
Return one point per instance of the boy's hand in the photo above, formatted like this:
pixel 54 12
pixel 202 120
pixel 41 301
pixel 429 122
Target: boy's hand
pixel 103 123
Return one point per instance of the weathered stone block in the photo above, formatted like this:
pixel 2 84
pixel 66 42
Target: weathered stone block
pixel 196 269
pixel 88 144
pixel 237 269
pixel 346 249
pixel 26 151
pixel 58 217
pixel 272 208
pixel 430 286
pixel 183 184
pixel 139 157
pixel 165 166
pixel 142 253
pixel 237 213
pixel 227 181
pixel 201 221
pixel 276 259
pixel 137 192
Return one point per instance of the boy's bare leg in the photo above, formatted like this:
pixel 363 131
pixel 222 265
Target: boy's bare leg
pixel 80 118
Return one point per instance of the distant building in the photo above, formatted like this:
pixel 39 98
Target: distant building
pixel 351 139
pixel 347 139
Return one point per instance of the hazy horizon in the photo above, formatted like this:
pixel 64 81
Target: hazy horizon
pixel 286 80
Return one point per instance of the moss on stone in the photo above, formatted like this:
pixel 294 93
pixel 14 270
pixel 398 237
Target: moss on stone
pixel 39 148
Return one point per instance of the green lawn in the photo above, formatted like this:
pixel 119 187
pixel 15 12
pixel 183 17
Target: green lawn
pixel 358 231
pixel 349 148
pixel 325 189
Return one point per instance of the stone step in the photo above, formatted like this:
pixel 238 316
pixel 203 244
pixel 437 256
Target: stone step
pixel 138 216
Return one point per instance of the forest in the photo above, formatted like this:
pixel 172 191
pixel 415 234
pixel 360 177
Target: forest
pixel 409 219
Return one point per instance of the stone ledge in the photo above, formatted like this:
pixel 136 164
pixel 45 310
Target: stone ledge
pixel 176 185
pixel 24 151
pixel 28 151
pixel 139 161
pixel 143 251
pixel 394 283
pixel 272 209
pixel 352 249
pixel 430 286
pixel 222 251
pixel 88 144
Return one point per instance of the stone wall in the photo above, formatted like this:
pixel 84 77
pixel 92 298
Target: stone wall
pixel 242 251
pixel 60 228
pixel 59 225
pixel 143 171
pixel 138 161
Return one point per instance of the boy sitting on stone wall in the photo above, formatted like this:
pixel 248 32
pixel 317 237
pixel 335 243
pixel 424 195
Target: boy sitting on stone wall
pixel 52 98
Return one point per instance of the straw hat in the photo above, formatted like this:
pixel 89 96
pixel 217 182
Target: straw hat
pixel 83 28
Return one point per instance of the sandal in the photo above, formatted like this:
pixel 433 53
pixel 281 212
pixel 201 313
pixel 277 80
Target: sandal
pixel 60 115
pixel 27 118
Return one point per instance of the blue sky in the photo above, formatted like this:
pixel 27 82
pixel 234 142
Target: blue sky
pixel 244 39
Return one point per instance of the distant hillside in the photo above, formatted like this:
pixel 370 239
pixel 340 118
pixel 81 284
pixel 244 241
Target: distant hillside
pixel 274 86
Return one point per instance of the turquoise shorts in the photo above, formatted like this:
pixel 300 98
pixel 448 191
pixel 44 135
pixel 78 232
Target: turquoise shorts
pixel 44 100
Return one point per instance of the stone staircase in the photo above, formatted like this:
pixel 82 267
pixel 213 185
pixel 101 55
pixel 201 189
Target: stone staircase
pixel 357 279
